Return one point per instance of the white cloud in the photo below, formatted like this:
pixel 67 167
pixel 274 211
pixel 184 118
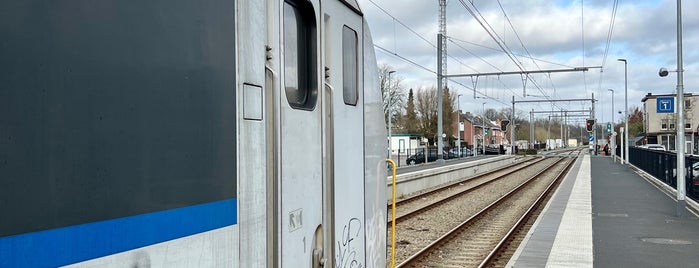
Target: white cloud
pixel 644 34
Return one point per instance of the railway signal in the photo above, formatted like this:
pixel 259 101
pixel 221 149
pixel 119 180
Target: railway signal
pixel 590 125
pixel 503 125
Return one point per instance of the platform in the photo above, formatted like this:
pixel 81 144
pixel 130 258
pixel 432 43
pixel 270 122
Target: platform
pixel 607 215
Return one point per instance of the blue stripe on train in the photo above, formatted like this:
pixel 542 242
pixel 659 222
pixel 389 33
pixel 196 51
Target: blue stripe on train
pixel 77 243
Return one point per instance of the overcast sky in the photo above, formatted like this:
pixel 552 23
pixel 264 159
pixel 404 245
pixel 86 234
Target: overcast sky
pixel 558 34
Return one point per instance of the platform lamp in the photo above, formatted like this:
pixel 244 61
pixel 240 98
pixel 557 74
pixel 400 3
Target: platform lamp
pixel 625 148
pixel 458 125
pixel 679 140
pixel 390 138
pixel 613 137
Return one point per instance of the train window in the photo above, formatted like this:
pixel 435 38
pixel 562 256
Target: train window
pixel 300 55
pixel 349 66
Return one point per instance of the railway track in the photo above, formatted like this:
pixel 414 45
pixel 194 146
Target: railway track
pixel 408 207
pixel 430 217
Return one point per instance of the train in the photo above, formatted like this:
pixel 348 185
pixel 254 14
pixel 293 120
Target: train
pixel 162 133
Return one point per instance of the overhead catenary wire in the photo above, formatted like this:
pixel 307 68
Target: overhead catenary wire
pixel 522 43
pixel 499 41
pixel 610 33
pixel 453 39
pixel 395 53
pixel 484 95
pixel 515 57
pixel 403 24
pixel 384 50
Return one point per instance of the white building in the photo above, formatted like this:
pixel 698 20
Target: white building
pixel 660 125
pixel 402 143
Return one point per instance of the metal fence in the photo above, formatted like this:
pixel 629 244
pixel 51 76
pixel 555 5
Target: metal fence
pixel 448 153
pixel 663 165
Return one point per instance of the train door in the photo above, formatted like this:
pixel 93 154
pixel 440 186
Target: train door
pixel 343 121
pixel 300 148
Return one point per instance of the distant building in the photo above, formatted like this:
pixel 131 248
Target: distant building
pixel 472 129
pixel 661 128
pixel 405 143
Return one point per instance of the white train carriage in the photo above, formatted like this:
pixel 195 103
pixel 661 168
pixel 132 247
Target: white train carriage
pixel 162 133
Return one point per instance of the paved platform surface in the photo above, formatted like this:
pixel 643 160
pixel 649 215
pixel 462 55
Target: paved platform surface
pixel 607 215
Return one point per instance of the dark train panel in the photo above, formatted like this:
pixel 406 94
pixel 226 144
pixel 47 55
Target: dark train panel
pixel 111 109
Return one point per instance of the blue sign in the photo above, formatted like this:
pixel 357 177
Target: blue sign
pixel 665 105
pixel 592 138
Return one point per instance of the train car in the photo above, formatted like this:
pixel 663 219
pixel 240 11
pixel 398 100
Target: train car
pixel 222 133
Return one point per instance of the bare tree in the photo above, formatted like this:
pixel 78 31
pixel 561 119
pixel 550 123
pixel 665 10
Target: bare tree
pixel 493 114
pixel 392 93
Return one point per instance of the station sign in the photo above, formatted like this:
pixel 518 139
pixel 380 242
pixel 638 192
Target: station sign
pixel 665 105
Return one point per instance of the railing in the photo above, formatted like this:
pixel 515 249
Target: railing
pixel 448 153
pixel 663 165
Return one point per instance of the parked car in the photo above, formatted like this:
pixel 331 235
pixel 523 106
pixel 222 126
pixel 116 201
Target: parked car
pixel 494 149
pixel 657 147
pixel 450 155
pixel 419 157
pixel 464 152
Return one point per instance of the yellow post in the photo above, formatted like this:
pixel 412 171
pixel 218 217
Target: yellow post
pixel 393 213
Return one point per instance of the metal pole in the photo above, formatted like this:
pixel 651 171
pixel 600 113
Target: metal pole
pixel 473 135
pixel 626 111
pixel 581 136
pixel 576 69
pixel 564 133
pixel 548 136
pixel 390 110
pixel 531 128
pixel 613 139
pixel 563 145
pixel 483 121
pixel 512 129
pixel 680 118
pixel 622 142
pixel 439 100
pixel 594 127
pixel 458 125
pixel 625 144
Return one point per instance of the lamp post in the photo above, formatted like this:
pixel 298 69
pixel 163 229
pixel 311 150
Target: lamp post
pixel 680 117
pixel 390 110
pixel 613 137
pixel 679 140
pixel 625 149
pixel 458 125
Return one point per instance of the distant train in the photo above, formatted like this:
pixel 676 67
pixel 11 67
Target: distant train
pixel 214 133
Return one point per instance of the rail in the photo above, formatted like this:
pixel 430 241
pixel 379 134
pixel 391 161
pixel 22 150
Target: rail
pixel 477 217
